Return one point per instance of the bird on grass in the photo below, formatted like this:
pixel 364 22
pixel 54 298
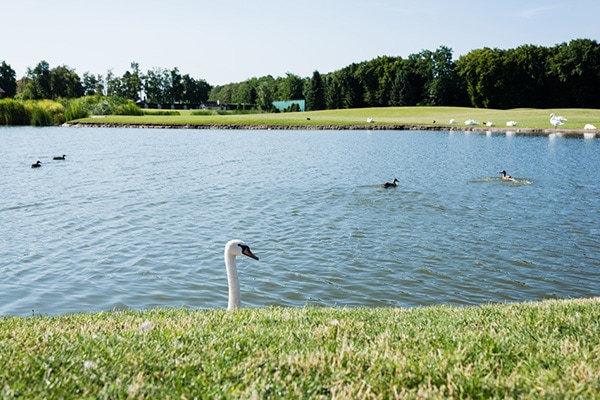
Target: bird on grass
pixel 557 120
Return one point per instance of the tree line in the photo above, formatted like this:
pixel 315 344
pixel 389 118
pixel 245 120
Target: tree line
pixel 564 75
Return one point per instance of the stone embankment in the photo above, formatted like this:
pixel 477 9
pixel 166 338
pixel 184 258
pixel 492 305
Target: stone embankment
pixel 372 126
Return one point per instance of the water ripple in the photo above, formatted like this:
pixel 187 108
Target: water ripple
pixel 143 224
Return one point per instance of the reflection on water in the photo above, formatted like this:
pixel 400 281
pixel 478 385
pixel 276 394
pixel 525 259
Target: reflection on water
pixel 138 218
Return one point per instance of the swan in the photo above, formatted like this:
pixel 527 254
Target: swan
pixel 557 120
pixel 59 157
pixel 37 164
pixel 452 121
pixel 589 127
pixel 232 249
pixel 489 123
pixel 471 122
pixel 506 177
pixel 393 183
pixel 511 123
pixel 370 120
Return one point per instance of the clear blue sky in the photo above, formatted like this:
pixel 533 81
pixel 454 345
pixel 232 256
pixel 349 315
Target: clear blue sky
pixel 225 41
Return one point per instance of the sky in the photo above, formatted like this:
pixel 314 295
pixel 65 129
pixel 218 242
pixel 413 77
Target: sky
pixel 224 41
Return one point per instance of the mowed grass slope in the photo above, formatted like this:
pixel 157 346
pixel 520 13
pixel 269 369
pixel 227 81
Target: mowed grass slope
pixel 425 116
pixel 537 350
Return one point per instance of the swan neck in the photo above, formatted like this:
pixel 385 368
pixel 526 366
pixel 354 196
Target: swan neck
pixel 233 282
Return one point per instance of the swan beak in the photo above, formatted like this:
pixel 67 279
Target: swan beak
pixel 247 252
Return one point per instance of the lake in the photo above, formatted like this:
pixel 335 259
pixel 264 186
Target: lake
pixel 138 218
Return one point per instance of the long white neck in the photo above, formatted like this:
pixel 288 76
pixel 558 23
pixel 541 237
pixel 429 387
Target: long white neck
pixel 233 281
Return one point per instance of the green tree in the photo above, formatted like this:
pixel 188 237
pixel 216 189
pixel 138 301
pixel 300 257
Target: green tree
pixel 315 92
pixel 292 87
pixel 577 67
pixel 264 93
pixel 132 83
pixel 38 83
pixel 65 83
pixel 194 91
pixel 155 86
pixel 333 92
pixel 8 80
pixel 92 84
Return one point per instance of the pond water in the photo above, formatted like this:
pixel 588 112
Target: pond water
pixel 138 218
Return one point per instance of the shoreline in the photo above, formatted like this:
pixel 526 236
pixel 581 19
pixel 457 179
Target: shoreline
pixel 375 127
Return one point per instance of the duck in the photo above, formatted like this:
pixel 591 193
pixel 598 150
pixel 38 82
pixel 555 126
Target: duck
pixel 506 177
pixel 37 164
pixel 393 183
pixel 59 157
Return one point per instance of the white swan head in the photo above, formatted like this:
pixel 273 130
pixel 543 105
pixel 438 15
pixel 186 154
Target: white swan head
pixel 234 248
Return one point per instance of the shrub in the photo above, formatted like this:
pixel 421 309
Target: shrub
pixel 202 112
pixel 129 108
pixel 77 108
pixel 161 112
pixel 13 112
pixel 45 112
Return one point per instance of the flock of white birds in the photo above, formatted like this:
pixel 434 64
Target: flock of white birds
pixel 555 121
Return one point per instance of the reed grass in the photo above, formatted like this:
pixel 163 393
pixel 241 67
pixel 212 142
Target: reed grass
pixel 547 349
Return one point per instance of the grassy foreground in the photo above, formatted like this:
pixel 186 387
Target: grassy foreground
pixel 548 349
pixel 413 116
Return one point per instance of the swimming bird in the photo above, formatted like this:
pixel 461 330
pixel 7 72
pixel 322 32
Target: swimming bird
pixel 37 164
pixel 511 123
pixel 232 249
pixel 393 183
pixel 557 120
pixel 506 177
pixel 59 157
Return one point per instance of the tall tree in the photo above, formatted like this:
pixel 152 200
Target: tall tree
pixel 315 93
pixel 291 87
pixel 38 82
pixel 132 82
pixel 8 80
pixel 577 66
pixel 65 83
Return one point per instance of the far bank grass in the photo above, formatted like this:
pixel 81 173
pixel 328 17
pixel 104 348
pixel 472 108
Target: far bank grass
pixel 426 116
pixel 547 349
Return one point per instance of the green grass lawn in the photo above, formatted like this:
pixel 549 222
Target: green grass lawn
pixel 547 349
pixel 525 118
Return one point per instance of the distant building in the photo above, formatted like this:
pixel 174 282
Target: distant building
pixel 214 105
pixel 285 105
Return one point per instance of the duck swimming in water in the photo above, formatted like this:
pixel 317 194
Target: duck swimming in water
pixel 506 177
pixel 37 164
pixel 59 157
pixel 393 183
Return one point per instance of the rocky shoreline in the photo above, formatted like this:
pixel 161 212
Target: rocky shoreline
pixel 372 126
